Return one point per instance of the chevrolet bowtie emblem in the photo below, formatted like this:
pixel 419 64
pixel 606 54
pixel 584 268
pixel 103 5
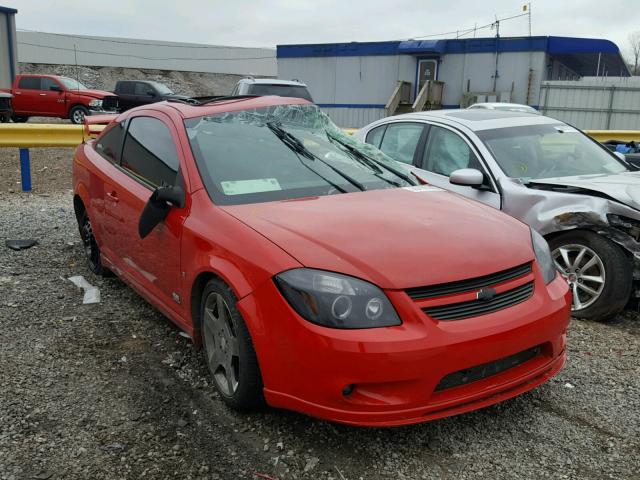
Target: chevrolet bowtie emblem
pixel 486 294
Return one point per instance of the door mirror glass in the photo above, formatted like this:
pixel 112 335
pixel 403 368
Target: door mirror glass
pixel 468 177
pixel 158 206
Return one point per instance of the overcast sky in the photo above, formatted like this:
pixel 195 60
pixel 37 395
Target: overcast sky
pixel 266 23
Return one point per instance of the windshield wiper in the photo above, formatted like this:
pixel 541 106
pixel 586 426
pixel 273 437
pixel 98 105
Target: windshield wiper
pixel 370 160
pixel 298 147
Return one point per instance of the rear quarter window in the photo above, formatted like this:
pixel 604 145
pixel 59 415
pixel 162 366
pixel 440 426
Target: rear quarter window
pixel 109 145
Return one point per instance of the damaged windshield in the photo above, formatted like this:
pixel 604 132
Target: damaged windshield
pixel 535 152
pixel 283 152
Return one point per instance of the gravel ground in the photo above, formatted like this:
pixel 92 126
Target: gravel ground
pixel 113 391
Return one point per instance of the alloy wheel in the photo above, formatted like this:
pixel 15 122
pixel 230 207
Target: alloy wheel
pixel 221 344
pixel 78 116
pixel 584 270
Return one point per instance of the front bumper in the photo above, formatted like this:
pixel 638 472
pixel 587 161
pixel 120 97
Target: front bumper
pixel 394 371
pixel 101 111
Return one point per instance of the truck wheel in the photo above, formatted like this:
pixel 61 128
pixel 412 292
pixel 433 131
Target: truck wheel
pixel 19 119
pixel 77 114
pixel 5 118
pixel 228 348
pixel 598 271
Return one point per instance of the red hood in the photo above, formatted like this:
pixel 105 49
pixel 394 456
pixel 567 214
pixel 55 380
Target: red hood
pixel 92 93
pixel 394 238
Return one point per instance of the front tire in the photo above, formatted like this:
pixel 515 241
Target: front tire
pixel 228 348
pixel 599 273
pixel 19 119
pixel 77 114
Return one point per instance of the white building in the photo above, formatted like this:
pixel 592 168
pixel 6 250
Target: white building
pixel 355 82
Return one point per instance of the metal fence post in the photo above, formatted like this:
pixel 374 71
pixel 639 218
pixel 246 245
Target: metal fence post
pixel 25 169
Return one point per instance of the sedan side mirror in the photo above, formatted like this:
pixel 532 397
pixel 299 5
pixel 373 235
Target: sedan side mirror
pixel 468 177
pixel 157 208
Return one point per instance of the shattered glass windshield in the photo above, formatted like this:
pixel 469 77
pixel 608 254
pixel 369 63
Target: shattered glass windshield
pixel 535 152
pixel 284 152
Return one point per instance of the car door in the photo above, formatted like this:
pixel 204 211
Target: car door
pixel 150 159
pixel 445 150
pixel 399 140
pixel 144 94
pixel 27 96
pixel 53 97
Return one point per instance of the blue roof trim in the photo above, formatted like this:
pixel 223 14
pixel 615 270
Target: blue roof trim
pixel 8 10
pixel 552 45
pixel 354 49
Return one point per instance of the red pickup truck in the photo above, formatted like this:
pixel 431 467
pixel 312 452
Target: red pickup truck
pixel 54 96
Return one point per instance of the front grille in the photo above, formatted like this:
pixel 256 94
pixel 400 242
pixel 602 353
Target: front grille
pixel 473 374
pixel 474 308
pixel 419 293
pixel 5 104
pixel 110 102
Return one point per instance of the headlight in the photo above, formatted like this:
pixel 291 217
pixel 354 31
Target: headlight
pixel 95 103
pixel 335 300
pixel 543 256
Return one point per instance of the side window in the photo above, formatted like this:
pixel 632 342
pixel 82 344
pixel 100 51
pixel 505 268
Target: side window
pixel 29 83
pixel 126 88
pixel 109 145
pixel 47 83
pixel 142 89
pixel 447 151
pixel 375 136
pixel 149 152
pixel 400 141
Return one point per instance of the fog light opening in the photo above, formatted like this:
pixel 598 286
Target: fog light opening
pixel 348 390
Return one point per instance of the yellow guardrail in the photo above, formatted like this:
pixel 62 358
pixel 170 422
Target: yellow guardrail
pixel 622 135
pixel 31 135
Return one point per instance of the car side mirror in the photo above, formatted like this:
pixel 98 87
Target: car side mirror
pixel 161 201
pixel 55 88
pixel 151 93
pixel 467 177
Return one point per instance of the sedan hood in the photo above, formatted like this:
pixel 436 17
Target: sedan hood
pixel 622 187
pixel 395 238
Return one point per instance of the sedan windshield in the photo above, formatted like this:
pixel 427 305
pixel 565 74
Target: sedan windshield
pixel 285 152
pixel 535 152
pixel 72 84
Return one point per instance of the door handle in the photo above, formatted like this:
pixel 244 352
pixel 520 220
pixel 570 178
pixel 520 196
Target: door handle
pixel 43 94
pixel 113 196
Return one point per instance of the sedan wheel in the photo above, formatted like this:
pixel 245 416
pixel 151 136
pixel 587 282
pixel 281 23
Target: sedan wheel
pixel 599 273
pixel 228 348
pixel 90 246
pixel 584 270
pixel 221 344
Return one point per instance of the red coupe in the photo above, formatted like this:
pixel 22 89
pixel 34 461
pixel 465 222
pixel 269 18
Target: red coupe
pixel 318 274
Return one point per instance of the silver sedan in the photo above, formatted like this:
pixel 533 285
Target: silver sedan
pixel 584 199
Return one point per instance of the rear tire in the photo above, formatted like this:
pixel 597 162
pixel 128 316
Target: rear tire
pixel 91 249
pixel 19 119
pixel 77 114
pixel 599 273
pixel 228 348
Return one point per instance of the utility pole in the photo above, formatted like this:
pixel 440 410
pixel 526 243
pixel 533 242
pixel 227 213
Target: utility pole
pixel 529 11
pixel 496 25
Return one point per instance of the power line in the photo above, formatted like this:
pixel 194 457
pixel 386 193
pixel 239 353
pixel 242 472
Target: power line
pixel 146 58
pixel 469 30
